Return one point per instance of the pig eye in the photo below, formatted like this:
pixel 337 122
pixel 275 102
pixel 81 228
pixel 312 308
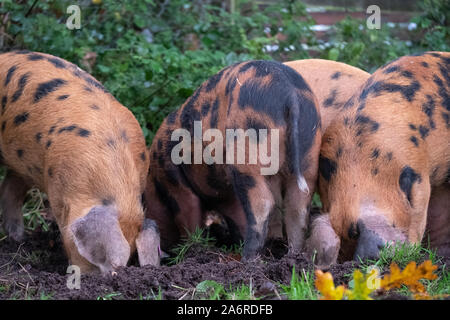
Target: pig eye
pixel 353 232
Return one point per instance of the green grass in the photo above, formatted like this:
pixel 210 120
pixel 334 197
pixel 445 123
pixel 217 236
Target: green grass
pixel 32 209
pixel 401 254
pixel 109 296
pixel 212 290
pixel 198 237
pixel 301 287
pixel 404 253
pixel 439 286
pixel 152 295
pixel 46 296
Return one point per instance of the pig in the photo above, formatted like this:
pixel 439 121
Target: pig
pixel 385 160
pixel 62 132
pixel 255 95
pixel 333 83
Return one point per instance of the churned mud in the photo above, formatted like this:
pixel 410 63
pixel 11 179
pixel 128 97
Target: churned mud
pixel 36 269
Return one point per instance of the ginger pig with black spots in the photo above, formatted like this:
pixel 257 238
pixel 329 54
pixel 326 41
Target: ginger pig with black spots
pixel 250 98
pixel 385 162
pixel 64 133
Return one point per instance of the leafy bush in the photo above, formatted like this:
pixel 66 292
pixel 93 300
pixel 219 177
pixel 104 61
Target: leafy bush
pixel 153 54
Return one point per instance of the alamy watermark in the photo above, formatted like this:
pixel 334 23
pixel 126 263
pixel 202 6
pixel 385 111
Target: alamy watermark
pixel 74 20
pixel 74 278
pixel 374 20
pixel 235 140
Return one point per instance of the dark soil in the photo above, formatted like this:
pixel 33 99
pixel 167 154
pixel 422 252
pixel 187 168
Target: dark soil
pixel 36 269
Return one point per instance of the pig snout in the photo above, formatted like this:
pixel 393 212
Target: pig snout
pixel 374 232
pixel 369 244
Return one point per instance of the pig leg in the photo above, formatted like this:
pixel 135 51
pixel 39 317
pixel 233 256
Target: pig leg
pixel 275 224
pixel 257 202
pixel 437 232
pixel 12 194
pixel 189 216
pixel 296 205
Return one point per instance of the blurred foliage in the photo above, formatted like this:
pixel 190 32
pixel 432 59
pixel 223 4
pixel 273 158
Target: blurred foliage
pixel 152 54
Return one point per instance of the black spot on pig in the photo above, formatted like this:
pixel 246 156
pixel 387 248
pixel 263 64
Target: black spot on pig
pixel 406 180
pixel 446 117
pixel 91 81
pixel 391 69
pixel 58 63
pixel 414 140
pixel 428 108
pixel 375 153
pixel 423 131
pixel 336 75
pixel 47 87
pixel 21 118
pixel 377 88
pixel 215 114
pixel 63 97
pixel 83 133
pixel 231 84
pixel 331 99
pixel 172 117
pixel 242 184
pixel 189 114
pixel 22 82
pixel 426 65
pixel 346 121
pixel 35 57
pixel 205 108
pixel 412 126
pixel 142 155
pixel 9 74
pixel 52 129
pixel 214 80
pixel 50 172
pixel 350 103
pixel 3 125
pixel 94 107
pixel 407 74
pixel 38 137
pixel 327 167
pixel 442 91
pixel 364 122
pixel 20 153
pixel 4 102
pixel 374 171
pixel 67 128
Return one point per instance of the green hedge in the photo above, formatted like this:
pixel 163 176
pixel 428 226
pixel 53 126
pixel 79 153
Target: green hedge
pixel 152 54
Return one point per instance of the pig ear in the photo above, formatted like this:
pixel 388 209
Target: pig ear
pixel 99 239
pixel 147 244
